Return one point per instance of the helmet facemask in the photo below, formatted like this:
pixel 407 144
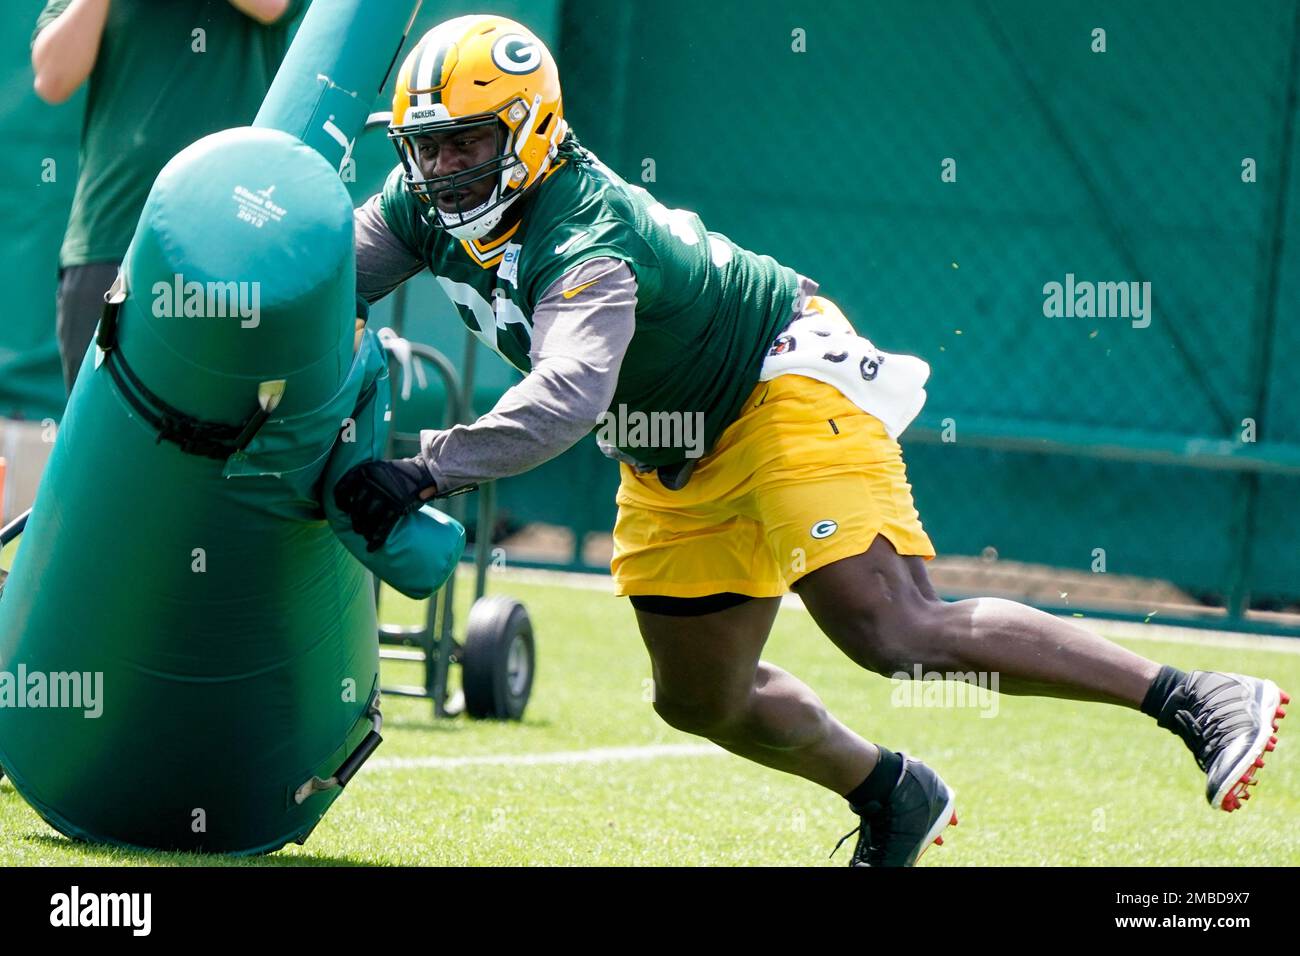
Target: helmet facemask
pixel 505 169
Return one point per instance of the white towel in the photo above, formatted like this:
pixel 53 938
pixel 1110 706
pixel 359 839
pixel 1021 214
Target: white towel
pixel 822 345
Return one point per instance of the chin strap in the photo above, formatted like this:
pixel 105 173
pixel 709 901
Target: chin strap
pixel 480 227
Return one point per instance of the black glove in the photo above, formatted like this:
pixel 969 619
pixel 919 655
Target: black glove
pixel 378 493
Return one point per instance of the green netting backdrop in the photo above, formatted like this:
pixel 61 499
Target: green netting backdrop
pixel 818 133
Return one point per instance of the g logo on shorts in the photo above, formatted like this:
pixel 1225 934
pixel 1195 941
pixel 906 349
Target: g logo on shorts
pixel 824 528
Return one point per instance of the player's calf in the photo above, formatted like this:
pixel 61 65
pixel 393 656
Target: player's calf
pixel 778 712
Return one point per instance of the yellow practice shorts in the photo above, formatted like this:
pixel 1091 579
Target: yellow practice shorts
pixel 801 479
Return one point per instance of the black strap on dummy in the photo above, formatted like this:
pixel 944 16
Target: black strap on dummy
pixel 215 440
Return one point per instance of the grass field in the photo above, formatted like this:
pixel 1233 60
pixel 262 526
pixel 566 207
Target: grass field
pixel 1041 783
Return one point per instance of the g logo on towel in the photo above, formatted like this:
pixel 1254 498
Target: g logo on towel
pixel 824 528
pixel 871 366
pixel 783 344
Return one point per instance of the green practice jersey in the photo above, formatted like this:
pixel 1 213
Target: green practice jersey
pixel 167 74
pixel 706 311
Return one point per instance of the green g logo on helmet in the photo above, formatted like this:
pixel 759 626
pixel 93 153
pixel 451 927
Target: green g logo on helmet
pixel 516 54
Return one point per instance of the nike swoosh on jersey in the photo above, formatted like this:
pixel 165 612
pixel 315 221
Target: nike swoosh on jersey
pixel 559 250
pixel 570 293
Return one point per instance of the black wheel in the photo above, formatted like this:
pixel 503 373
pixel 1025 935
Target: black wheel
pixel 498 659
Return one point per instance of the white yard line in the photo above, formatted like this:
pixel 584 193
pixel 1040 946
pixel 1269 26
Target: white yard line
pixel 562 757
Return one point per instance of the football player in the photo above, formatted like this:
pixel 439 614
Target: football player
pixel 606 300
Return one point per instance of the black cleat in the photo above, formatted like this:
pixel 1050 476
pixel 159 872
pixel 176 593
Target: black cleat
pixel 1228 722
pixel 898 831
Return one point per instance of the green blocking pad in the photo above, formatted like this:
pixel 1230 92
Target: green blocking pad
pixel 423 550
pixel 185 639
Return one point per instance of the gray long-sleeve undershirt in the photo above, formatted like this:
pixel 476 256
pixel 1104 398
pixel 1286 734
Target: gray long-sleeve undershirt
pixel 578 344
pixel 383 261
pixel 577 350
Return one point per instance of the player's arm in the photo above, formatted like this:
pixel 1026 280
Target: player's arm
pixel 577 351
pixel 384 260
pixel 579 342
pixel 265 12
pixel 65 48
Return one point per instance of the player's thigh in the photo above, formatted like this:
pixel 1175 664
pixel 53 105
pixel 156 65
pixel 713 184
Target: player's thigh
pixel 878 607
pixel 840 520
pixel 704 665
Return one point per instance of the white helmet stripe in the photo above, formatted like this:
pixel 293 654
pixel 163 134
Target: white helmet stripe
pixel 424 73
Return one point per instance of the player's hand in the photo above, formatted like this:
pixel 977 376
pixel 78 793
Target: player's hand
pixel 376 495
pixel 356 339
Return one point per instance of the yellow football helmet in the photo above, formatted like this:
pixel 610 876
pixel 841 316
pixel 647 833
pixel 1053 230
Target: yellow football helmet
pixel 477 71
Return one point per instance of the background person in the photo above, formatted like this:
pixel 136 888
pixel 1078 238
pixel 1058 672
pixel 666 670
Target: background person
pixel 161 76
